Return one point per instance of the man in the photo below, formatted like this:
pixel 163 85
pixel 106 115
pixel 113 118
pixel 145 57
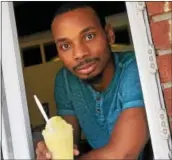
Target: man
pixel 97 90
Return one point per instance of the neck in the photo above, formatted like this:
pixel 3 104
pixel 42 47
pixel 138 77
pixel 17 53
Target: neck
pixel 106 77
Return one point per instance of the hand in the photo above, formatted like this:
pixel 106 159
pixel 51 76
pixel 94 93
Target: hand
pixel 75 150
pixel 43 153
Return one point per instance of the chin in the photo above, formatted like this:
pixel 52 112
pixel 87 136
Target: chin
pixel 84 77
pixel 93 79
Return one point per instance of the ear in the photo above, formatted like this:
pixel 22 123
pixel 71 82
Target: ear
pixel 110 34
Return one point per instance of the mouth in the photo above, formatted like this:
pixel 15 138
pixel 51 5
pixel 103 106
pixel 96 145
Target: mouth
pixel 87 68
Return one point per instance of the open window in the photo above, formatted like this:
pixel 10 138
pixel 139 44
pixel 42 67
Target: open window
pixel 31 56
pixel 20 83
pixel 50 51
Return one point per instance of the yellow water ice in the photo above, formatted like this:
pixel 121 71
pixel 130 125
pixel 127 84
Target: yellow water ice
pixel 58 136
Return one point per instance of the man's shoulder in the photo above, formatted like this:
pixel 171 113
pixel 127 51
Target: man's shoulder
pixel 128 64
pixel 125 58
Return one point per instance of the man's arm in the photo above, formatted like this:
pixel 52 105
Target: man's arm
pixel 129 136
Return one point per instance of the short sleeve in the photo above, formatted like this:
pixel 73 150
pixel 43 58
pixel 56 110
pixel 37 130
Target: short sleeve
pixel 64 105
pixel 131 93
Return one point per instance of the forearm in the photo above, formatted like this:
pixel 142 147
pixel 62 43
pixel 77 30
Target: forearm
pixel 94 154
pixel 128 138
pixel 107 153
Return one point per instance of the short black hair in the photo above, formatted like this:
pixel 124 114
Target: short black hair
pixel 66 7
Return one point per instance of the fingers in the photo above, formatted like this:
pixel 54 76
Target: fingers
pixel 42 151
pixel 48 155
pixel 42 146
pixel 75 150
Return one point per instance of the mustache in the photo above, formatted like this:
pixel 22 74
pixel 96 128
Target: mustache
pixel 86 61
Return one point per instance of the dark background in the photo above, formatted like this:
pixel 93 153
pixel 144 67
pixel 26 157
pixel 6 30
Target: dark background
pixel 34 16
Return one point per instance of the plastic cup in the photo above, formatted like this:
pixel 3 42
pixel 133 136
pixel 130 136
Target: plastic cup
pixel 58 136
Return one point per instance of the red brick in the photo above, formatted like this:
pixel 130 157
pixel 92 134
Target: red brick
pixel 161 34
pixel 155 8
pixel 170 6
pixel 165 67
pixel 168 100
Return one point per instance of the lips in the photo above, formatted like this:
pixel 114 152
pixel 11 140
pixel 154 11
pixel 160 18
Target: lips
pixel 87 68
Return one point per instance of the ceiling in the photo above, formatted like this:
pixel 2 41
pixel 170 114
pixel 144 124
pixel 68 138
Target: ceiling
pixel 35 16
pixel 17 3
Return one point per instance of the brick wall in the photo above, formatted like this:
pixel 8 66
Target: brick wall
pixel 160 19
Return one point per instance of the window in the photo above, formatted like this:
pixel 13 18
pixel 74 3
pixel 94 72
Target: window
pixel 122 36
pixel 31 56
pixel 16 97
pixel 50 51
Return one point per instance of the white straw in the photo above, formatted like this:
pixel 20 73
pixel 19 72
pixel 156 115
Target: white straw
pixel 41 108
pixel 42 111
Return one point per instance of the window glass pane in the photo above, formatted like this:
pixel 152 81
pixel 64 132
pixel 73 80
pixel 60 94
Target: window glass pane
pixel 122 36
pixel 31 56
pixel 50 51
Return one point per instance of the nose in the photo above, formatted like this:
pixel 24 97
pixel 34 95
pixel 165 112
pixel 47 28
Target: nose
pixel 80 51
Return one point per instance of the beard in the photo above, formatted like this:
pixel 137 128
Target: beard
pixel 97 79
pixel 94 80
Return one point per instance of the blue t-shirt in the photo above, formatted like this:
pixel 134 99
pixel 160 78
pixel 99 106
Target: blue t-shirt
pixel 98 112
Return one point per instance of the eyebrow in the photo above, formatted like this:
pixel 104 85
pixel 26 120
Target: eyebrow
pixel 60 40
pixel 87 29
pixel 81 32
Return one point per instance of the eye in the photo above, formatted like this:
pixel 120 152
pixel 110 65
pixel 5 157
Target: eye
pixel 89 36
pixel 65 46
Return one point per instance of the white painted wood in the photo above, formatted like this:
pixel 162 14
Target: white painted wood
pixel 145 54
pixel 7 147
pixel 14 87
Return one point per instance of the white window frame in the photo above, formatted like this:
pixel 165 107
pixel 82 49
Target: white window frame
pixel 0 69
pixel 14 90
pixel 150 82
pixel 19 145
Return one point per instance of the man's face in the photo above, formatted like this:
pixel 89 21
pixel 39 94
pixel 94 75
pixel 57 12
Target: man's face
pixel 81 42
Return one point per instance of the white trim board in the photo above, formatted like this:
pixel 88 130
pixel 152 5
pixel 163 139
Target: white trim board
pixel 14 90
pixel 149 77
pixel 0 91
